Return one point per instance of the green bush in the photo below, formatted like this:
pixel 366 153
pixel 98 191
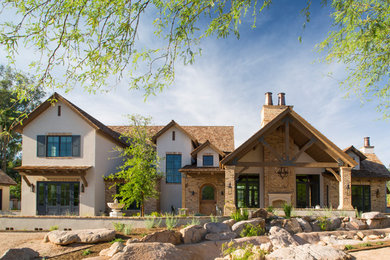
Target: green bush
pixel 194 221
pixel 127 229
pixel 348 247
pixel 170 221
pixel 270 209
pixel 323 223
pixel 87 252
pixel 237 216
pixel 53 228
pixel 155 214
pixel 250 252
pixel 252 231
pixel 118 226
pixel 287 208
pixel 214 218
pixel 149 222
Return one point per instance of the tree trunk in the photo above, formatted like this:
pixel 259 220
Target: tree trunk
pixel 3 152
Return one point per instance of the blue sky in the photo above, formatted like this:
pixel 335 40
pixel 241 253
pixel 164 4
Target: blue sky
pixel 227 83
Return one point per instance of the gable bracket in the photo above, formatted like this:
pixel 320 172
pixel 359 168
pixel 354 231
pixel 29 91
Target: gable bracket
pixel 304 148
pixel 338 178
pixel 272 150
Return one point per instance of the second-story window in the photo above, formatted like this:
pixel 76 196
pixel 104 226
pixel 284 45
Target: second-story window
pixel 208 160
pixel 173 164
pixel 173 135
pixel 58 146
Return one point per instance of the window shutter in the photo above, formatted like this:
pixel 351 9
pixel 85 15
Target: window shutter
pixel 76 145
pixel 41 146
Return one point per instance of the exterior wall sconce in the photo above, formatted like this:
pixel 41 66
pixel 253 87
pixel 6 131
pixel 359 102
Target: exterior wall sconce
pixel 193 193
pixel 282 172
pixel 82 188
pixel 222 193
pixel 32 188
pixel 348 189
pixel 230 185
pixel 377 193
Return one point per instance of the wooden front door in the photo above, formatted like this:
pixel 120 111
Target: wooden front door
pixel 208 200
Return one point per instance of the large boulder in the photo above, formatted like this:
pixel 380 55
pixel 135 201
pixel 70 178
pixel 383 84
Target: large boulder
pixel 305 225
pixel 164 236
pixel 239 226
pixel 229 222
pixel 281 238
pixel 355 224
pixel 373 214
pixel 292 225
pixel 315 226
pixel 221 236
pixel 87 236
pixel 308 251
pixel 216 227
pixel 20 254
pixel 152 251
pixel 193 234
pixel 114 248
pixel 260 213
pixel 333 223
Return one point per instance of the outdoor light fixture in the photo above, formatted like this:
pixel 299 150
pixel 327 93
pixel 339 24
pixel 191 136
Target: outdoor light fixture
pixel 193 193
pixel 32 188
pixel 82 188
pixel 377 193
pixel 282 172
pixel 230 185
pixel 348 189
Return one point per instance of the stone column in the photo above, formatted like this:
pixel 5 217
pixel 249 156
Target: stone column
pixel 230 190
pixel 345 197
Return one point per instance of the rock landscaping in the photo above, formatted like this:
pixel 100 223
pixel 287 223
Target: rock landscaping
pixel 87 236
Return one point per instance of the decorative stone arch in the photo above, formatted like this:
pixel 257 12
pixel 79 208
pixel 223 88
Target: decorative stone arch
pixel 279 198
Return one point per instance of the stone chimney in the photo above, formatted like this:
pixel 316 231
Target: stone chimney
pixel 367 148
pixel 269 111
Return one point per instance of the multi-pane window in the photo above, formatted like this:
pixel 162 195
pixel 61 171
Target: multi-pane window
pixel 173 164
pixel 58 146
pixel 208 160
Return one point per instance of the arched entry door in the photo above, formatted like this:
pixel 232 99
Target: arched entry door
pixel 208 200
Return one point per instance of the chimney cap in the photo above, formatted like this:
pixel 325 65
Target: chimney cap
pixel 281 99
pixel 367 142
pixel 268 99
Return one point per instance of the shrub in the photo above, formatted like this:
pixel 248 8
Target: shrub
pixel 237 216
pixel 214 218
pixel 170 221
pixel 53 228
pixel 155 214
pixel 366 244
pixel 250 251
pixel 118 226
pixel 127 229
pixel 348 247
pixel 87 252
pixel 323 223
pixel 270 209
pixel 287 208
pixel 358 214
pixel 194 221
pixel 149 222
pixel 251 231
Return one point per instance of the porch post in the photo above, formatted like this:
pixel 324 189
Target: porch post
pixel 230 190
pixel 345 197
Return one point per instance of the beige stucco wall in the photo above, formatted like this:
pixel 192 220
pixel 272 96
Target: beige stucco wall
pixel 171 193
pixel 96 151
pixel 5 199
pixel 207 151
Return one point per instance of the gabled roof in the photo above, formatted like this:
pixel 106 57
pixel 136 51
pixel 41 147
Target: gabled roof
pixel 173 124
pixel 204 145
pixel 289 112
pixel 100 127
pixel 220 136
pixel 355 151
pixel 371 167
pixel 5 179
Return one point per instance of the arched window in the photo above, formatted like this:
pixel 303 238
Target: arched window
pixel 208 192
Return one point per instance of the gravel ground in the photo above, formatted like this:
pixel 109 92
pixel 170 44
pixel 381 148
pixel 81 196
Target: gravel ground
pixel 34 240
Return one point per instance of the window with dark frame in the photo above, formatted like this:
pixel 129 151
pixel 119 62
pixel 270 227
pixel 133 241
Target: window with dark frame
pixel 173 164
pixel 59 110
pixel 58 146
pixel 208 160
pixel 173 135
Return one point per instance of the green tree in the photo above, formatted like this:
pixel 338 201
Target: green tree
pixel 139 170
pixel 13 109
pixel 95 41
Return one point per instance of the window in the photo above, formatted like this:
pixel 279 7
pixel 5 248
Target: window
pixel 173 164
pixel 208 160
pixel 173 135
pixel 207 192
pixel 58 146
pixel 361 197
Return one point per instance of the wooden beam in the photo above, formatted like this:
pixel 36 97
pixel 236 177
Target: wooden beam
pixel 287 139
pixel 271 149
pixel 243 169
pixel 289 164
pixel 26 180
pixel 84 180
pixel 338 178
pixel 304 148
pixel 57 173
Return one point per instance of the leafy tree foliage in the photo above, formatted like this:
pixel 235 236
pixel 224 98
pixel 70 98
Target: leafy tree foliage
pixel 139 171
pixel 13 109
pixel 95 42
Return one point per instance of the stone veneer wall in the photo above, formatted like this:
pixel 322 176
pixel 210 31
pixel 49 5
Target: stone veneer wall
pixel 151 205
pixel 273 183
pixel 194 182
pixel 377 204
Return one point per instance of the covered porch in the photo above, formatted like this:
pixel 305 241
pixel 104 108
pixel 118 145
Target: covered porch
pixel 285 162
